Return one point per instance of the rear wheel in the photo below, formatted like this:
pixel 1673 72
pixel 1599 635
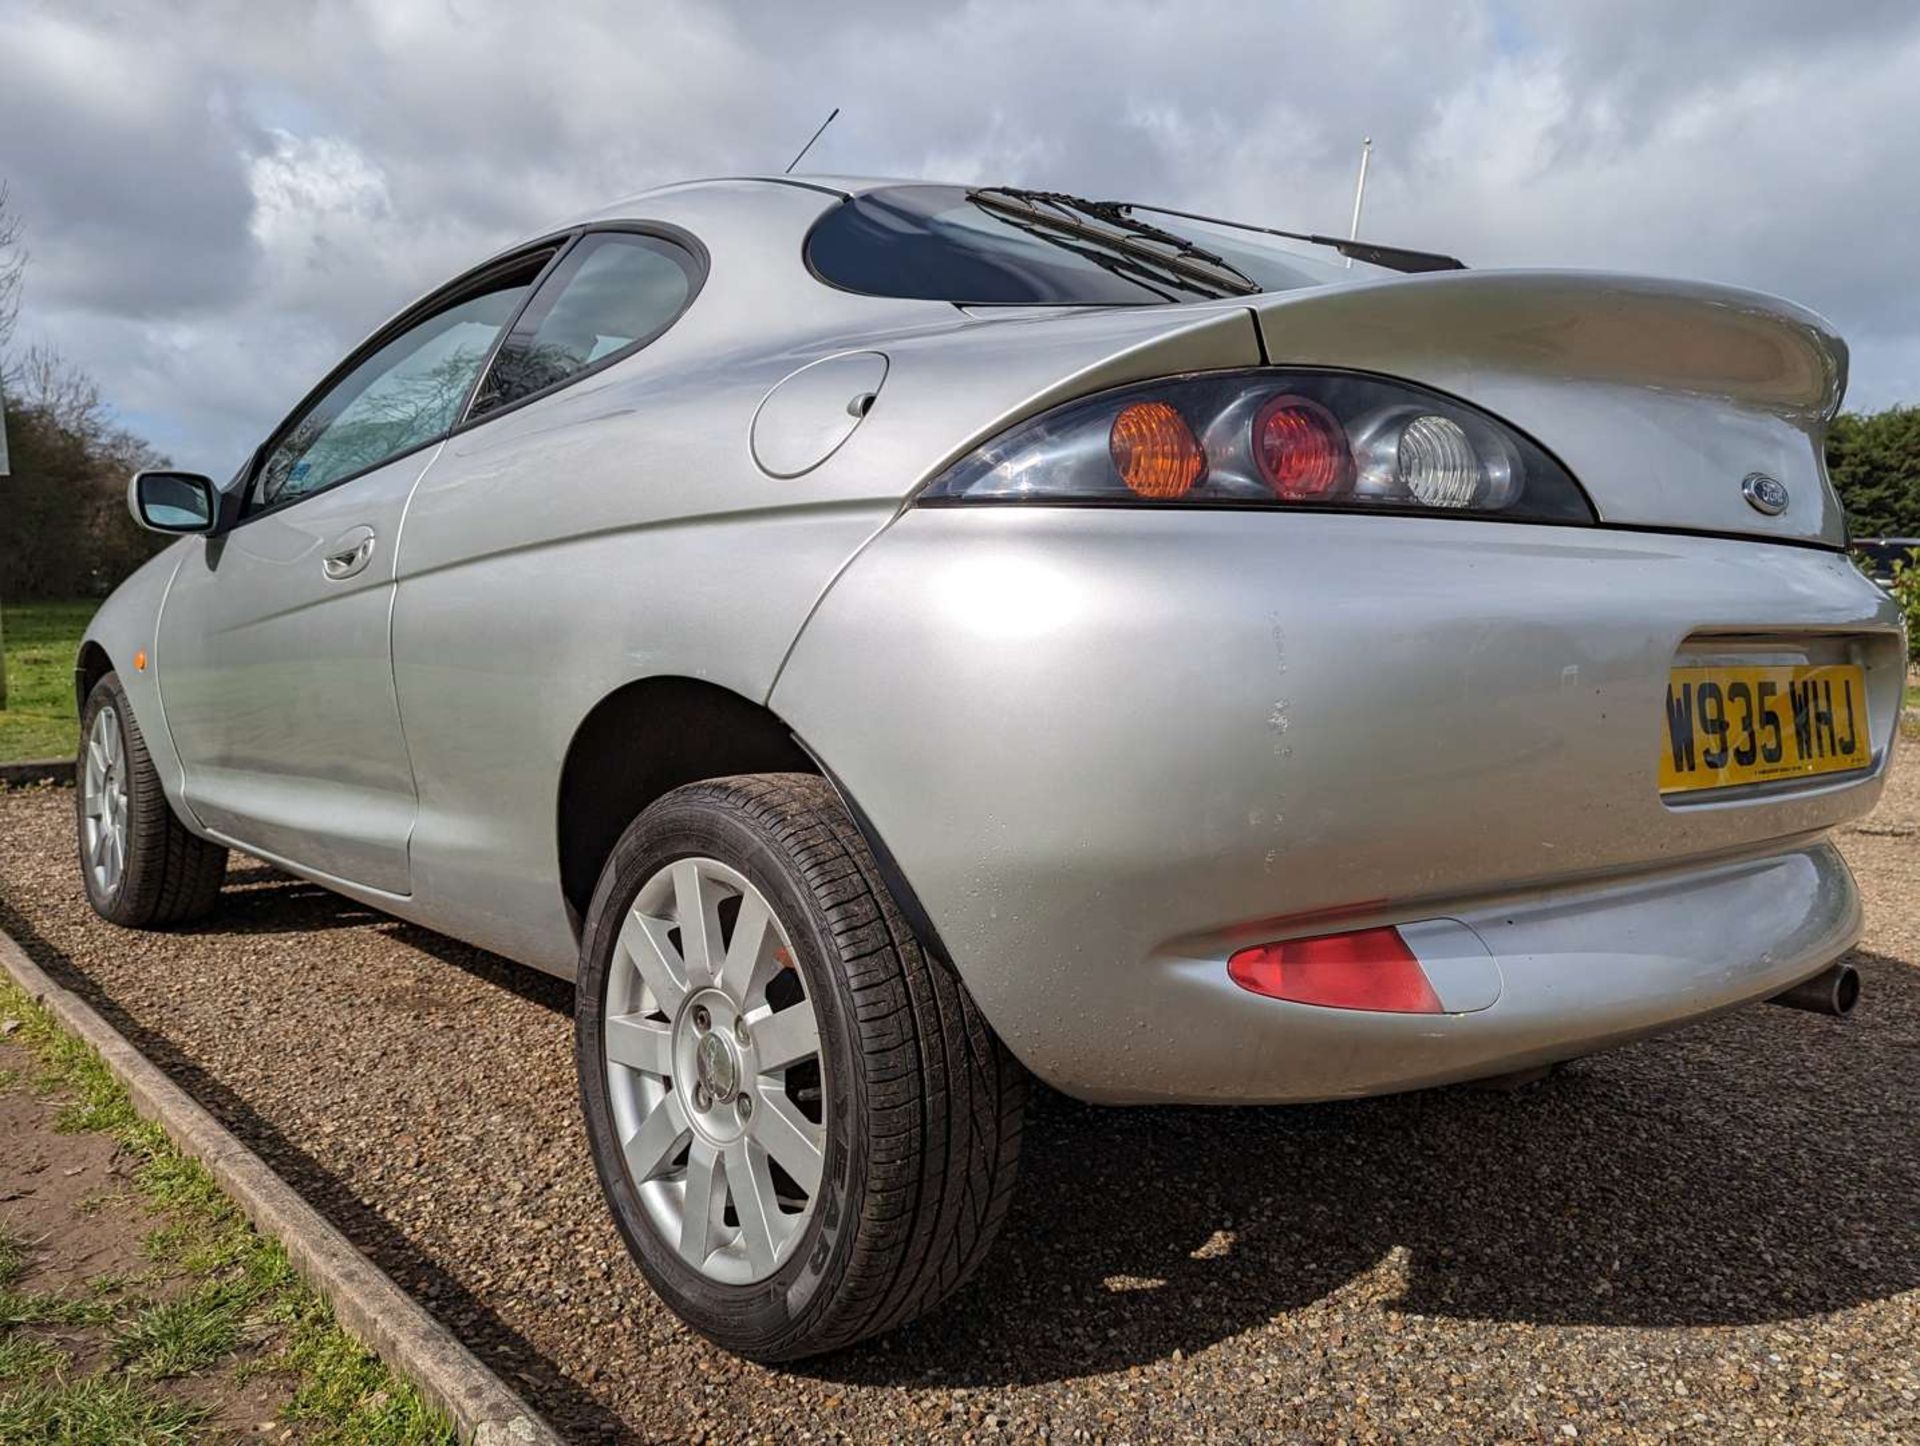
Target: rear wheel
pixel 805 1130
pixel 140 866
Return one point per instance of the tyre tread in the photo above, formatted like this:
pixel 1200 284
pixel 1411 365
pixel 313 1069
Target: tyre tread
pixel 171 877
pixel 945 1098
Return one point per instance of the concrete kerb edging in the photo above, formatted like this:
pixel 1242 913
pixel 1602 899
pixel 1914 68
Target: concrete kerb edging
pixel 368 1305
pixel 37 770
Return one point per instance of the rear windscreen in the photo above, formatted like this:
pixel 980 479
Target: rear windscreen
pixel 931 243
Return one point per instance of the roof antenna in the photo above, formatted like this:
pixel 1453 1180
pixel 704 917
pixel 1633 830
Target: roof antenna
pixel 1359 193
pixel 809 145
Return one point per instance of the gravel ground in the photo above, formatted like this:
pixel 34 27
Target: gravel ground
pixel 1707 1235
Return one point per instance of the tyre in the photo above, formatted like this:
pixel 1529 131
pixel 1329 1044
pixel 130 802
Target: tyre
pixel 141 868
pixel 805 1129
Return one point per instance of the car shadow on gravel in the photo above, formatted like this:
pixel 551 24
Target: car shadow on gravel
pixel 286 907
pixel 260 899
pixel 1754 1168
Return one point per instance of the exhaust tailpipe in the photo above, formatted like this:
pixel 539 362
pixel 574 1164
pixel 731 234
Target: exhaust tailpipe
pixel 1834 990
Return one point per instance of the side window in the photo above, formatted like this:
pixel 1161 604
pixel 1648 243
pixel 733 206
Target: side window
pixel 407 392
pixel 611 294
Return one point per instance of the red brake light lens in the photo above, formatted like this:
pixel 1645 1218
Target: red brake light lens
pixel 1363 969
pixel 1301 450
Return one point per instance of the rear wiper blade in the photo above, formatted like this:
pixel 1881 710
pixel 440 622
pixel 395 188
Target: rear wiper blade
pixel 1115 214
pixel 1394 258
pixel 1054 210
pixel 1153 277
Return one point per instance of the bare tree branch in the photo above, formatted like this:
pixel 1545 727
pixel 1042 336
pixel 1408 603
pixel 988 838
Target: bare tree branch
pixel 47 382
pixel 13 268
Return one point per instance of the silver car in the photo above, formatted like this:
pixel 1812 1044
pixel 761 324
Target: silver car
pixel 886 640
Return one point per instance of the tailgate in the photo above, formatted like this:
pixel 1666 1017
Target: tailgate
pixel 1662 397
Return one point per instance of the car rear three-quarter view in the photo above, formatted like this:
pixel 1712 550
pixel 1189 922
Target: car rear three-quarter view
pixel 886 641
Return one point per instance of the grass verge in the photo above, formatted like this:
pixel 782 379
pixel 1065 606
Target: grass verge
pixel 41 639
pixel 240 1309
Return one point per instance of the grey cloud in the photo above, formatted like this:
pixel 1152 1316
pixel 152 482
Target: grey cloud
pixel 283 176
pixel 134 189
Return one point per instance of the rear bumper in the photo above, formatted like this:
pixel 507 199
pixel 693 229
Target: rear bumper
pixel 1107 748
pixel 1571 972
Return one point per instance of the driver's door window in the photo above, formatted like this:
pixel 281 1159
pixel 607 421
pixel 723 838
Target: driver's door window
pixel 402 396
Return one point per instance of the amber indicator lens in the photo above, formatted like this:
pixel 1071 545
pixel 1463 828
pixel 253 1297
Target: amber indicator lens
pixel 1155 451
pixel 1301 450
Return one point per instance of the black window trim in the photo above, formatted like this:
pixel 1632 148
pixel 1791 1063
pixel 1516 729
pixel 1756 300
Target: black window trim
pixel 436 301
pixel 689 246
pixel 560 243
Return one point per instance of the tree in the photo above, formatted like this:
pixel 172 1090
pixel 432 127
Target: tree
pixel 1875 464
pixel 13 270
pixel 64 528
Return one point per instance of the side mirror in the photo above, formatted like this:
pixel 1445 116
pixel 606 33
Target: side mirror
pixel 172 501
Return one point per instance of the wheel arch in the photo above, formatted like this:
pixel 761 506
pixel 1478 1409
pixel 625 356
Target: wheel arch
pixel 643 740
pixel 649 737
pixel 89 668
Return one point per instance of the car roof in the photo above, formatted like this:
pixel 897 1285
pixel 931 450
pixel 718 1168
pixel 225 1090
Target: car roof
pixel 642 203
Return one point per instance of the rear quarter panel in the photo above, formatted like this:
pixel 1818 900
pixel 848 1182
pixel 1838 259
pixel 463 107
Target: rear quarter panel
pixel 620 530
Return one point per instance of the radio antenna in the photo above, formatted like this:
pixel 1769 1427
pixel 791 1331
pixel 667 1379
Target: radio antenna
pixel 1359 193
pixel 810 140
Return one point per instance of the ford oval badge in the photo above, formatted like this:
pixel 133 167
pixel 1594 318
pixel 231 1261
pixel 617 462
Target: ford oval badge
pixel 1765 494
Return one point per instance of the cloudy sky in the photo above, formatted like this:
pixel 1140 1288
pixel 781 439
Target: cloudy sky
pixel 221 197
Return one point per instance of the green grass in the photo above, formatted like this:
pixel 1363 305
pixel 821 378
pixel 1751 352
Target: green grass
pixel 41 640
pixel 178 1337
pixel 13 1255
pixel 242 1296
pixel 99 1410
pixel 44 1308
pixel 25 1356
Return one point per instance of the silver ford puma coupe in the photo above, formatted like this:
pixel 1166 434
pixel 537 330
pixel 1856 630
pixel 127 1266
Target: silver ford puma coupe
pixel 885 639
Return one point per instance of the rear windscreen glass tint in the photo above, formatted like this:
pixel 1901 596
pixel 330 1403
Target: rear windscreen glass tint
pixel 931 243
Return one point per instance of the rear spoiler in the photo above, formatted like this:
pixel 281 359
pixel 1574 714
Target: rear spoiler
pixel 1659 396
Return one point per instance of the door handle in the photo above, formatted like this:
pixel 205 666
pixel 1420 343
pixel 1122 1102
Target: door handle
pixel 349 555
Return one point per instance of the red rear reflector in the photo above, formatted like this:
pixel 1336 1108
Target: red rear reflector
pixel 1301 450
pixel 1366 969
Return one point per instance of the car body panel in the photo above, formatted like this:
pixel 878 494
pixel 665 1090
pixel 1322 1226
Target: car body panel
pixel 279 681
pixel 1581 969
pixel 1089 735
pixel 124 626
pixel 622 529
pixel 496 653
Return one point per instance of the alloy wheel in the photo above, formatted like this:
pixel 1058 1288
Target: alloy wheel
pixel 714 1070
pixel 103 796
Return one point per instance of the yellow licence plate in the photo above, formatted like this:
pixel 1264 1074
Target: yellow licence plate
pixel 1727 726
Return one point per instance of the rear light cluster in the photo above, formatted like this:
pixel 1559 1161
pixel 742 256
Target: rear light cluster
pixel 1272 437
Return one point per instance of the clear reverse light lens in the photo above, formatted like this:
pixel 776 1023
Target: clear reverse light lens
pixel 1438 463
